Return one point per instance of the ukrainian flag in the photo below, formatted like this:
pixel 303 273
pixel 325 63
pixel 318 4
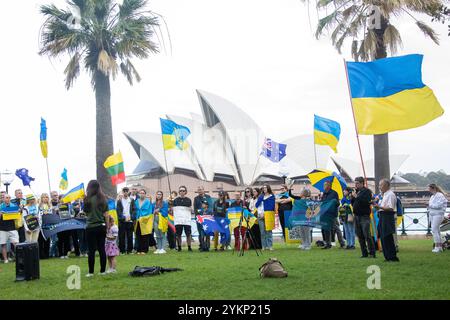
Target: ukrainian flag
pixel 11 213
pixel 64 183
pixel 44 148
pixel 174 135
pixel 326 132
pixel 112 211
pixel 389 95
pixel 74 194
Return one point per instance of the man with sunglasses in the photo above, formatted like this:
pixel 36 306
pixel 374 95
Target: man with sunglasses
pixel 198 201
pixel 183 201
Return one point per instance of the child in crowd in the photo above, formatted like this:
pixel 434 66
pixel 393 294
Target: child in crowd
pixel 111 248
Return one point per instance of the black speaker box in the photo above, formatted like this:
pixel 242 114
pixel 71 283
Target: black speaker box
pixel 27 261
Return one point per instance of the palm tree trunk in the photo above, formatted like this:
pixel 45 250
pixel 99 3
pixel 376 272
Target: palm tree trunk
pixel 381 141
pixel 104 137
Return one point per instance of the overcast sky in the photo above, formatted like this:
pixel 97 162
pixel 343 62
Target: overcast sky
pixel 259 54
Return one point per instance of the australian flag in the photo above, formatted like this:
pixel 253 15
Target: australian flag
pixel 210 224
pixel 273 151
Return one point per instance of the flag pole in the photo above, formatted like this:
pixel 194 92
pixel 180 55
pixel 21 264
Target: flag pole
pixel 167 170
pixel 315 152
pixel 48 177
pixel 354 121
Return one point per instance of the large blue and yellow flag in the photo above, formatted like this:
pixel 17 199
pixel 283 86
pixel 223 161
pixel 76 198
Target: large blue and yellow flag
pixel 144 217
pixel 174 135
pixel 74 194
pixel 326 132
pixel 316 214
pixel 389 95
pixel 44 148
pixel 64 183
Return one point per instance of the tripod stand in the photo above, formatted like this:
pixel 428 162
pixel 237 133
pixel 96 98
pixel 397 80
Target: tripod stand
pixel 248 234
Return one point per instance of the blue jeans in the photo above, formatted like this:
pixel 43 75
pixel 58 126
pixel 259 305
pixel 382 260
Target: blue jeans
pixel 160 236
pixel 54 246
pixel 266 236
pixel 82 240
pixel 349 228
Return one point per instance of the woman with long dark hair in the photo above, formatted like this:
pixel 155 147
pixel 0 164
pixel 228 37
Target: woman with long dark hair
pixel 256 234
pixel 265 206
pixel 96 210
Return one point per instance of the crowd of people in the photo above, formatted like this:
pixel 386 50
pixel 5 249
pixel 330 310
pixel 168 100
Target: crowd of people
pixel 130 235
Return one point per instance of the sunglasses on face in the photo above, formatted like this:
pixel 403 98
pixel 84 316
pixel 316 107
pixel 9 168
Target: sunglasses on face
pixel 182 190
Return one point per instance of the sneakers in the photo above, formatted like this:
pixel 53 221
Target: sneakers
pixel 111 271
pixel 102 273
pixel 436 250
pixel 6 261
pixel 270 249
pixel 156 252
pixel 89 275
pixel 228 247
pixel 162 251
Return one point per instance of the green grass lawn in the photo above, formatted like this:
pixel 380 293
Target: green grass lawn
pixel 317 274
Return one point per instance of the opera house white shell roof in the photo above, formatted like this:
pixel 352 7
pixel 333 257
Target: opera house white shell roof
pixel 225 142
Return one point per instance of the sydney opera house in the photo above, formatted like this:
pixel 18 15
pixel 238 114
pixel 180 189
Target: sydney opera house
pixel 224 153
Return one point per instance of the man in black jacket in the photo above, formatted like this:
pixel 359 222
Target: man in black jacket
pixel 198 201
pixel 126 213
pixel 361 203
pixel 329 194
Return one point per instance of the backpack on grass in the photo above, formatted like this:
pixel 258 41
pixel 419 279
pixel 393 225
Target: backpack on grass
pixel 272 269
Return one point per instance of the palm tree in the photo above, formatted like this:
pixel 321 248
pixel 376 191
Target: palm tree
pixel 102 36
pixel 350 19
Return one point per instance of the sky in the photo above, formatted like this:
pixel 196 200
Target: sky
pixel 260 54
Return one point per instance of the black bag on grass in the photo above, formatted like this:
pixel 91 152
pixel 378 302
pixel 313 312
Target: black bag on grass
pixel 150 271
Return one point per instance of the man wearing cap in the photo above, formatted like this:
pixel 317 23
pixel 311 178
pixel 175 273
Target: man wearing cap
pixel 204 239
pixel 31 219
pixel 329 194
pixel 198 200
pixel 126 214
pixel 8 230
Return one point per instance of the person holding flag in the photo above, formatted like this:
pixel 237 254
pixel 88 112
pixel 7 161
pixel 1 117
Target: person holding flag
pixel 265 206
pixel 144 223
pixel 31 216
pixel 8 230
pixel 160 222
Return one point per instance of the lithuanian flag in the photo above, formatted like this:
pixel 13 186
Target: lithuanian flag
pixel 114 166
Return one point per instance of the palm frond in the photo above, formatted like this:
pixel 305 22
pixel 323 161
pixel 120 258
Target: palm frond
pixel 428 31
pixel 327 22
pixel 107 64
pixel 392 39
pixel 72 70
